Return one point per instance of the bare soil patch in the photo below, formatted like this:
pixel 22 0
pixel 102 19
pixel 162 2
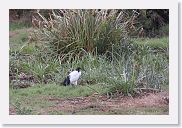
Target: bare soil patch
pixel 104 104
pixel 101 104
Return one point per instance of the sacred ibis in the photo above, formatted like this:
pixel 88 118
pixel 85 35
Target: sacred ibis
pixel 72 77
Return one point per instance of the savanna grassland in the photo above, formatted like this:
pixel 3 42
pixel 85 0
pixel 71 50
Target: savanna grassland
pixel 124 69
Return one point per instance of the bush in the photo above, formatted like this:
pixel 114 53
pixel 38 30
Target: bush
pixel 69 30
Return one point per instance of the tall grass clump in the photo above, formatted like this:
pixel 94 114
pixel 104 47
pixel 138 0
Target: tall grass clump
pixel 136 67
pixel 69 30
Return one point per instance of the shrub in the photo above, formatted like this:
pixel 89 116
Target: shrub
pixel 69 30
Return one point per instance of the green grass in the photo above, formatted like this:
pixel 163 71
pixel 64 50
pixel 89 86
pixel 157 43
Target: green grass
pixel 141 111
pixel 18 40
pixel 57 91
pixel 153 42
pixel 28 49
pixel 18 25
pixel 35 98
pixel 34 101
pixel 126 111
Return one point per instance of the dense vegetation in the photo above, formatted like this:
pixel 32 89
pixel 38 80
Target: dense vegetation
pixel 116 56
pixel 153 21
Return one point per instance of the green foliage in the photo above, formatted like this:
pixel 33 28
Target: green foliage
pixel 28 49
pixel 154 43
pixel 95 41
pixel 130 66
pixel 164 31
pixel 57 91
pixel 87 29
pixel 22 110
pixel 18 40
pixel 155 22
pixel 18 25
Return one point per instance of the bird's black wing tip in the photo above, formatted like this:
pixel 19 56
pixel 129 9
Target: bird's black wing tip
pixel 66 81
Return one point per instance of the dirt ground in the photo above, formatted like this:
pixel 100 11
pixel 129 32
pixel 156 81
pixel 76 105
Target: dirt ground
pixel 103 105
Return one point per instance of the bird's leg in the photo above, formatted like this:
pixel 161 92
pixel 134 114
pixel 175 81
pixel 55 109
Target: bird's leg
pixel 75 82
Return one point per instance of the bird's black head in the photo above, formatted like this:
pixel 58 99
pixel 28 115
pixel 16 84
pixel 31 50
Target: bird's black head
pixel 78 69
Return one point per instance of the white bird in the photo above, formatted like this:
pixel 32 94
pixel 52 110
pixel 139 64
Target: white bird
pixel 73 77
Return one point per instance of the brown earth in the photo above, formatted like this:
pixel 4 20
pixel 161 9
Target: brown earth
pixel 103 104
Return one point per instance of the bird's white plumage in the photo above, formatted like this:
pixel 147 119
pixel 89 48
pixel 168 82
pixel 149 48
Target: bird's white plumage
pixel 74 76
